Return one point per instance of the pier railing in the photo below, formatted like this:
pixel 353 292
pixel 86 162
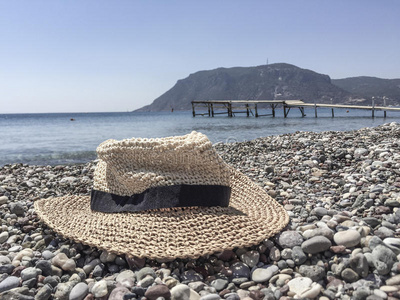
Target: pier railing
pixel 251 107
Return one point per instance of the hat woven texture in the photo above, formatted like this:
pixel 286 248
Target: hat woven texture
pixel 131 166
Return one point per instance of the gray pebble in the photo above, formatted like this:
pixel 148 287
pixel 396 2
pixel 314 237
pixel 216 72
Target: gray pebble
pixel 79 291
pixel 9 283
pixel 289 239
pixel 316 244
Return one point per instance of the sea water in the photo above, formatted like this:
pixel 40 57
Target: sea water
pixel 66 138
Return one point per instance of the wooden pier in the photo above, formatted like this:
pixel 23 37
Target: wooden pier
pixel 250 107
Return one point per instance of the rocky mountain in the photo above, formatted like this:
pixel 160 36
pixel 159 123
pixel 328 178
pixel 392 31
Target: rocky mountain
pixel 365 88
pixel 267 82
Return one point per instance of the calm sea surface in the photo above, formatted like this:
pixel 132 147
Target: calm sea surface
pixel 48 139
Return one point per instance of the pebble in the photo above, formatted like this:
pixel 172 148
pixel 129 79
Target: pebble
pixel 4 236
pixel 142 273
pixel 119 293
pixel 299 285
pixel 240 270
pixel 348 238
pixel 393 244
pixel 316 273
pixel 157 291
pixel 289 239
pixel 99 289
pixel 79 291
pixel 45 292
pixel 61 260
pixel 316 244
pixel 3 200
pixel 29 273
pixel 383 259
pixel 9 283
pixel 180 292
pixel 264 274
pixel 250 258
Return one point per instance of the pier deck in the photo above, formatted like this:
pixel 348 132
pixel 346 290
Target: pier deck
pixel 250 107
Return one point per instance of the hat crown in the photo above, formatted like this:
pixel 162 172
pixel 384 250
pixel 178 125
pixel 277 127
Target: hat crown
pixel 132 166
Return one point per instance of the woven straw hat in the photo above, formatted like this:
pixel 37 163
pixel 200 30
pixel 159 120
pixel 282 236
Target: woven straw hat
pixel 165 198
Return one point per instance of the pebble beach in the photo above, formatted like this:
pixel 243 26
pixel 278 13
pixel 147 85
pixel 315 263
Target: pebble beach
pixel 340 189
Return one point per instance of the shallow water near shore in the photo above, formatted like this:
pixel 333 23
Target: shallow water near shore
pixel 49 139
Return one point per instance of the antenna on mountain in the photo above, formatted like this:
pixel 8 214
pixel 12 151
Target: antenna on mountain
pixel 267 61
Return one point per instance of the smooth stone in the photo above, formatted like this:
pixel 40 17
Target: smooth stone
pixel 389 288
pixel 264 274
pixel 231 296
pixel 392 202
pixel 118 293
pixel 4 260
pixel 3 200
pixel 250 258
pixel 157 291
pixel 372 221
pixel 359 264
pixel 88 268
pixel 17 208
pixel 349 275
pixel 316 244
pixel 191 276
pixel 99 289
pixel 127 274
pixel 47 255
pixel 44 292
pixel 138 290
pixel 79 291
pixel 146 282
pixel 383 233
pixel 361 293
pixel 61 260
pixel 320 211
pixel 313 292
pixel 326 232
pixel 298 255
pixel 45 266
pixel 380 294
pixel 9 283
pixel 6 269
pixel 51 280
pixel 299 285
pixel 316 273
pixel 63 290
pixel 274 254
pixel 348 238
pixel 219 284
pixel 4 236
pixel 210 297
pixel 393 244
pixel 383 259
pixel 28 273
pixel 106 257
pixel 197 286
pixel 289 239
pixel 373 242
pixel 180 292
pixel 240 270
pixel 142 273
pixel 395 280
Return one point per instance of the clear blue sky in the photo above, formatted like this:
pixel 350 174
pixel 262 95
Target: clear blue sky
pixel 95 55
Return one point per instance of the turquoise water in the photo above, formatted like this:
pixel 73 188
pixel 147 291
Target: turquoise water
pixel 53 139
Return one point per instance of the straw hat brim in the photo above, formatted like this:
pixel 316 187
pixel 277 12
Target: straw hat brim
pixel 251 217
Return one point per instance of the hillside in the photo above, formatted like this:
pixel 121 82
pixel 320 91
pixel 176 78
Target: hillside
pixel 368 87
pixel 275 81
